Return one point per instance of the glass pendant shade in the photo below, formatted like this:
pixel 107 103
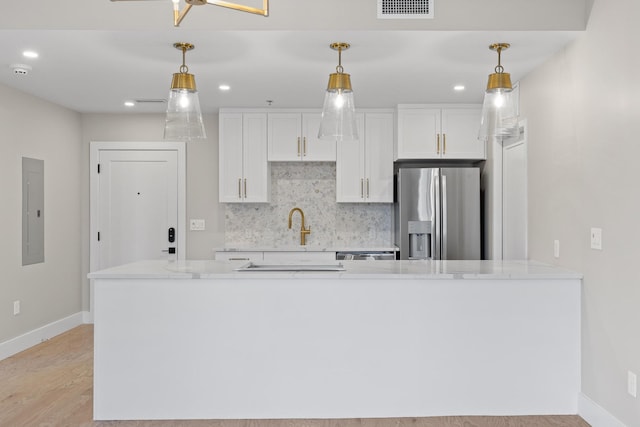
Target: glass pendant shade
pixel 338 116
pixel 499 115
pixel 338 112
pixel 184 117
pixel 500 106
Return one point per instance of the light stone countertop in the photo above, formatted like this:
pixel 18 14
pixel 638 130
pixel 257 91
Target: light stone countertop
pixel 424 270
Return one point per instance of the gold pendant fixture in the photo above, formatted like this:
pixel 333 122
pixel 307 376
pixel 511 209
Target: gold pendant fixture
pixel 338 112
pixel 184 117
pixel 499 79
pixel 500 107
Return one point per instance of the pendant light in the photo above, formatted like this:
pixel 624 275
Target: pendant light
pixel 184 118
pixel 338 113
pixel 499 110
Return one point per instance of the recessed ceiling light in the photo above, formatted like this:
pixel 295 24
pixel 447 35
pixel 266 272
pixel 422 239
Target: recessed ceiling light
pixel 458 88
pixel 129 103
pixel 30 54
pixel 224 88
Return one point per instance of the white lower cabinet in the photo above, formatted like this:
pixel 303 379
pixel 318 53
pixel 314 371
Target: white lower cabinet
pixel 244 172
pixel 364 168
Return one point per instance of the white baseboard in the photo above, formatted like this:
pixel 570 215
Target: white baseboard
pixel 87 317
pixel 595 414
pixel 31 338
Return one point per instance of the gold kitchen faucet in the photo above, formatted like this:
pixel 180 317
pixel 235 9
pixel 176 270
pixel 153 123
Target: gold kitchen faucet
pixel 303 231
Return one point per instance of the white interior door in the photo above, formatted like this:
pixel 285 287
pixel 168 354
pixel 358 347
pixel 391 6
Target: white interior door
pixel 138 204
pixel 135 226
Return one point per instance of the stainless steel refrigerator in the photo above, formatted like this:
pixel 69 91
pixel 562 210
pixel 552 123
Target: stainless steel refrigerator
pixel 437 213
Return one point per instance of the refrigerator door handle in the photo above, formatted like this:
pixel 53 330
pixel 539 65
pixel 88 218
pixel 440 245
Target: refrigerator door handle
pixel 444 217
pixel 435 243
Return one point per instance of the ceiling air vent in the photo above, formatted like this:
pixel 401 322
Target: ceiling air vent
pixel 405 9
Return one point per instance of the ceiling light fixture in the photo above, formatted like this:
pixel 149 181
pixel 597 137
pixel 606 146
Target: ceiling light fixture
pixel 30 54
pixel 178 15
pixel 338 113
pixel 499 110
pixel 184 118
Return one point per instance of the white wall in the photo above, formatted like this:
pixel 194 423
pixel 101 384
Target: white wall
pixel 583 111
pixel 51 290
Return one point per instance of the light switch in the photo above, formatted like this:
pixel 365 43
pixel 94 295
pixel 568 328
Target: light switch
pixel 556 248
pixel 196 224
pixel 596 238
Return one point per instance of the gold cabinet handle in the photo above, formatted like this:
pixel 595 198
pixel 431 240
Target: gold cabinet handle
pixel 362 188
pixel 304 152
pixel 239 188
pixel 367 188
pixel 245 188
pixel 298 146
pixel 444 143
pixel 438 145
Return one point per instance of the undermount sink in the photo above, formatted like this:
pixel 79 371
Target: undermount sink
pixel 251 266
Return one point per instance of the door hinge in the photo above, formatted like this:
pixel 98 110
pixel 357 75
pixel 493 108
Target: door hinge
pixel 98 167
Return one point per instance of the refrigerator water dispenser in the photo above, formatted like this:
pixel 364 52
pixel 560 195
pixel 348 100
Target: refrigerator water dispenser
pixel 419 239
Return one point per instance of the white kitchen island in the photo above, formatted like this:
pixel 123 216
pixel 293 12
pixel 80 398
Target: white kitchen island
pixel 199 340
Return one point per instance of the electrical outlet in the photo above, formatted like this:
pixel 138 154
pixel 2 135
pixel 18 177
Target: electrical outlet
pixel 16 307
pixel 596 238
pixel 556 248
pixel 632 384
pixel 196 224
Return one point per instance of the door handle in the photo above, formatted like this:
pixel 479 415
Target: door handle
pixel 304 151
pixel 444 217
pixel 298 146
pixel 444 143
pixel 172 235
pixel 245 188
pixel 438 144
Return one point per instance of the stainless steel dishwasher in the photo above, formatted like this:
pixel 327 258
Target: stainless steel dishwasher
pixel 366 255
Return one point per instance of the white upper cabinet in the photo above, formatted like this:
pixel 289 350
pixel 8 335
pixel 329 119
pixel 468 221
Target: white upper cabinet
pixel 431 132
pixel 244 172
pixel 294 137
pixel 460 127
pixel 364 168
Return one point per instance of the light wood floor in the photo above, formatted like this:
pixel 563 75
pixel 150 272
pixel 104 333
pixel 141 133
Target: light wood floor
pixel 51 385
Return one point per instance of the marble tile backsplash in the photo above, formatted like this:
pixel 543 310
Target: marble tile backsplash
pixel 312 188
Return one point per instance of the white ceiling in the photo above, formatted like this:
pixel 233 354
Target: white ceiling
pixel 95 71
